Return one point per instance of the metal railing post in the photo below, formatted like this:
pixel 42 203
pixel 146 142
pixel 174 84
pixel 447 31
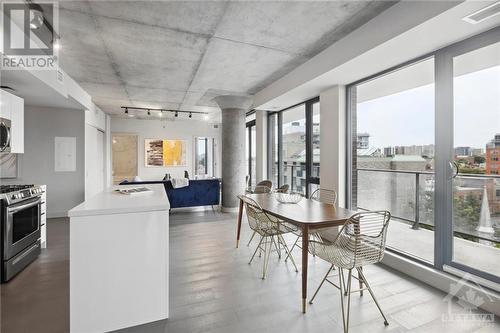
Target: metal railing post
pixel 417 201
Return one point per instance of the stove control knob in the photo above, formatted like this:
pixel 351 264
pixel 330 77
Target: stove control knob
pixel 13 196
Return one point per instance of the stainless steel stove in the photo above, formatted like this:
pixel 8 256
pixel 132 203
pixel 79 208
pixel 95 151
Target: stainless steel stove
pixel 20 227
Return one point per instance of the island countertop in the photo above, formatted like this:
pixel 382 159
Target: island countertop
pixel 111 202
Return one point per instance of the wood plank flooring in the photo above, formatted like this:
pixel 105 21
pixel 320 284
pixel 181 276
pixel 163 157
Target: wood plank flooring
pixel 213 289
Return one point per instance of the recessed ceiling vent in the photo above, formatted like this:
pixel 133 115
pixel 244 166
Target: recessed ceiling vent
pixel 483 14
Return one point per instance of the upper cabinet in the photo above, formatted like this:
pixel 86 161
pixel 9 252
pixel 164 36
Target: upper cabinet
pixel 12 108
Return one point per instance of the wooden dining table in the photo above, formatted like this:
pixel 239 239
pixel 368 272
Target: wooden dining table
pixel 309 215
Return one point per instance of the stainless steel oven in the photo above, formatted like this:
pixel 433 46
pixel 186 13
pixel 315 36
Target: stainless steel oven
pixel 21 216
pixel 5 135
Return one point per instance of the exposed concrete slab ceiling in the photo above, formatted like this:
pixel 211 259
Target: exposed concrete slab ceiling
pixel 407 30
pixel 181 55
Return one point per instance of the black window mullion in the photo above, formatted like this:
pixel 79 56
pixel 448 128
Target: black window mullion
pixel 309 145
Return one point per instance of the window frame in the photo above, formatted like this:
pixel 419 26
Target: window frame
pixel 443 74
pixel 308 143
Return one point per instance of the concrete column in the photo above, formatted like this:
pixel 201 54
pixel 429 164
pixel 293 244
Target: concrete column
pixel 233 110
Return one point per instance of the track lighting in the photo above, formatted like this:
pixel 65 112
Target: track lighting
pixel 190 115
pixel 149 112
pixel 126 111
pixel 176 114
pixel 161 112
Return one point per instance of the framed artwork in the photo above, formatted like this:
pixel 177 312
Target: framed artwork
pixel 8 165
pixel 164 153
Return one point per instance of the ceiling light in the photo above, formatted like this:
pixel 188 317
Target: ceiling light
pixel 126 111
pixel 176 114
pixel 190 115
pixel 161 113
pixel 36 16
pixel 205 117
pixel 149 112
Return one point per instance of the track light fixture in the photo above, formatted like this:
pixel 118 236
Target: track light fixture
pixel 161 112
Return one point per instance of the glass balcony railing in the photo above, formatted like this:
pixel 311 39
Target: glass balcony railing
pixel 409 196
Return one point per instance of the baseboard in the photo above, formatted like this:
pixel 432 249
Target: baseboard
pixel 442 280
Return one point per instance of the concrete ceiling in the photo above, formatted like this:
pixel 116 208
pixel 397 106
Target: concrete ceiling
pixel 180 55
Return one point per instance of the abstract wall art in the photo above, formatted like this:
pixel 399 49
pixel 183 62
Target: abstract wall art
pixel 164 153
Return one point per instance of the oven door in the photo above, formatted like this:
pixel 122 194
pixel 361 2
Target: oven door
pixel 22 226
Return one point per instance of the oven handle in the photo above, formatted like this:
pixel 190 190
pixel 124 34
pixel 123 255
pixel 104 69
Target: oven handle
pixel 14 209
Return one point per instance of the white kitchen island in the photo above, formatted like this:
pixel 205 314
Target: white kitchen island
pixel 119 260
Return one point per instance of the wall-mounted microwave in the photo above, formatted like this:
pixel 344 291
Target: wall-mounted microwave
pixel 5 127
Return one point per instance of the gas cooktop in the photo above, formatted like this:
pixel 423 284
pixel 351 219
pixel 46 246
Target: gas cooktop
pixel 14 188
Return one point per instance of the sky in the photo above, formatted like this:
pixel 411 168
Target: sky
pixel 407 118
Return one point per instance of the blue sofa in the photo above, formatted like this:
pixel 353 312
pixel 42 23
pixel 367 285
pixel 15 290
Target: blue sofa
pixel 201 192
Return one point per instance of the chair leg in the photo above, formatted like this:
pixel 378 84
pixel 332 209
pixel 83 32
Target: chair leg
pixel 342 288
pixel 360 272
pixel 257 249
pixel 277 247
pixel 287 251
pixel 293 246
pixel 349 280
pixel 360 279
pixel 321 284
pixel 267 253
pixel 251 238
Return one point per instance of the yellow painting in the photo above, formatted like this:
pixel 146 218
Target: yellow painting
pixel 165 152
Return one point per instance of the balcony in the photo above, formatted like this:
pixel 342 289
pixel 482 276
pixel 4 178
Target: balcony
pixel 409 196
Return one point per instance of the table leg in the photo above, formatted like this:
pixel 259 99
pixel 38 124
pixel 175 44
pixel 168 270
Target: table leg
pixel 305 255
pixel 240 215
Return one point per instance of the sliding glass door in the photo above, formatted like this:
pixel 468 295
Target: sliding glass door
pixel 474 182
pixel 425 145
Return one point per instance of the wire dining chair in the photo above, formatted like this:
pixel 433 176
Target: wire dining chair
pixel 321 195
pixel 360 242
pixel 283 188
pixel 270 229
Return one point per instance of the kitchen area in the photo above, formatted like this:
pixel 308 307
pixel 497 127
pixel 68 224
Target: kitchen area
pixel 52 157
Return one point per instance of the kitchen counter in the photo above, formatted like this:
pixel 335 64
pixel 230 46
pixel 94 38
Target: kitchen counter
pixel 119 261
pixel 112 202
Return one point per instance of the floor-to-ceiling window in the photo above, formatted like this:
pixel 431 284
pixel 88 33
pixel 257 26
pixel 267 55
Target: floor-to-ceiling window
pixel 476 148
pixel 251 149
pixel 204 157
pixel 393 153
pixel 294 147
pixel 425 145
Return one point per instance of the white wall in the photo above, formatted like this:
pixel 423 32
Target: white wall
pixel 95 150
pixel 333 141
pixel 36 166
pixel 182 129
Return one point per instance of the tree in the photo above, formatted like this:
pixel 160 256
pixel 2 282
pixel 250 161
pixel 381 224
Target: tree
pixel 479 159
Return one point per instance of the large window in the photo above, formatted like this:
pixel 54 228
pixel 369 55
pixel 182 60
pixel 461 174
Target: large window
pixel 204 157
pixel 251 150
pixel 393 154
pixel 425 145
pixel 294 147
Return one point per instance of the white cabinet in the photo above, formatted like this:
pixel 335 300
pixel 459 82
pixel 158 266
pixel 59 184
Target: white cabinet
pixel 5 105
pixel 12 108
pixel 17 125
pixel 43 219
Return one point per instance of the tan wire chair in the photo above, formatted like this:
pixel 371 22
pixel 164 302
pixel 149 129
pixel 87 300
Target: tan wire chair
pixel 360 242
pixel 268 183
pixel 259 189
pixel 270 229
pixel 321 195
pixel 283 188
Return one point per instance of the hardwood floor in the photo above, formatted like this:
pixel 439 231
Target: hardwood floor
pixel 213 289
